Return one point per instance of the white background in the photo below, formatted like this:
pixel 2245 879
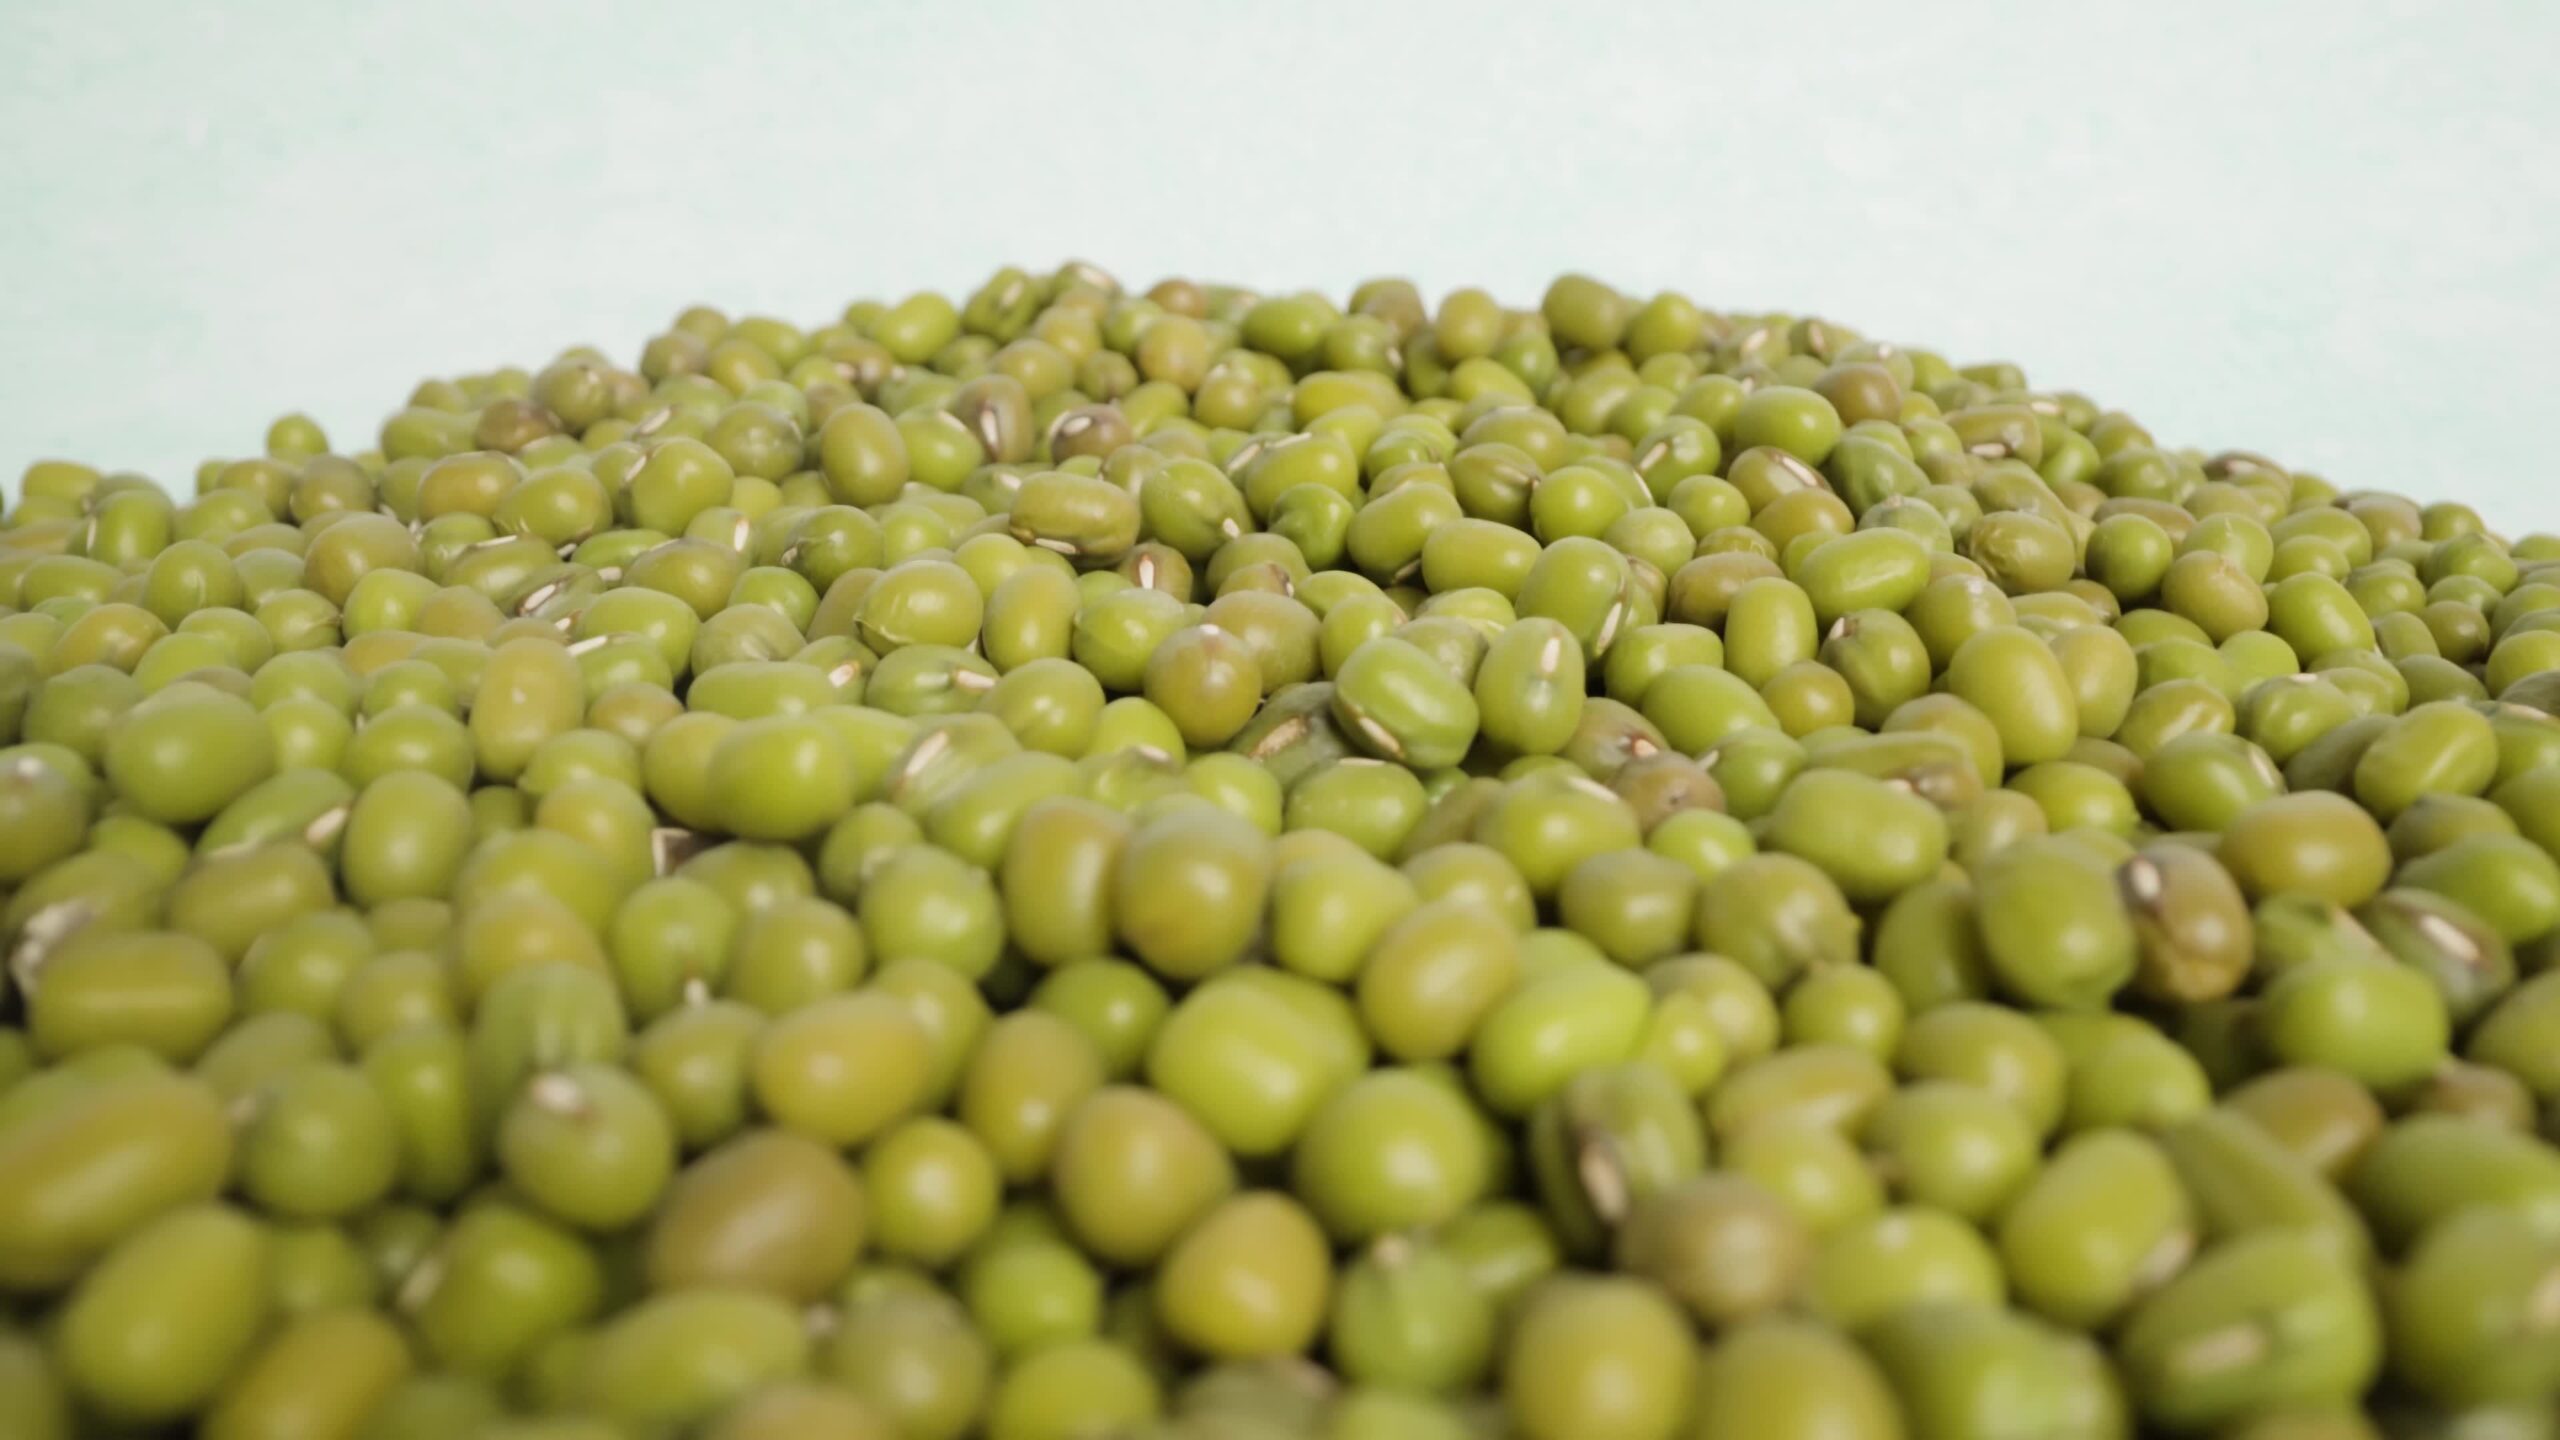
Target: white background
pixel 2321 230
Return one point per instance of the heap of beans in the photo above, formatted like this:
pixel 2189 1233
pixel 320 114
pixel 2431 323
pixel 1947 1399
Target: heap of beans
pixel 1087 865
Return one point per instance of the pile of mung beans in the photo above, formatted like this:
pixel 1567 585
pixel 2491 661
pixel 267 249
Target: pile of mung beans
pixel 1203 865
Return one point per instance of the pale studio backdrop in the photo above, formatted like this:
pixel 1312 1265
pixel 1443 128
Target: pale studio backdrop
pixel 2324 231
